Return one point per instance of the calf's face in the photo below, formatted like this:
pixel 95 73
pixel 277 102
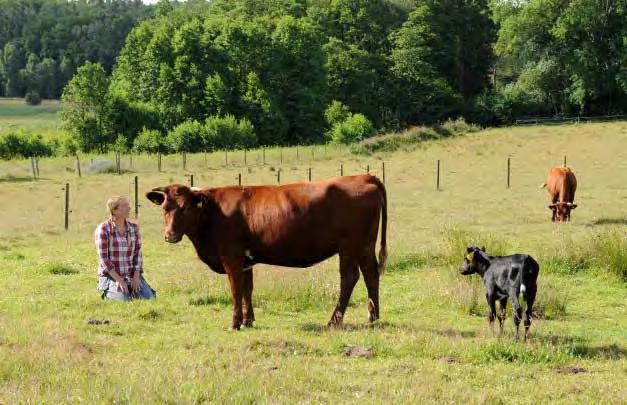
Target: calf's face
pixel 471 261
pixel 180 209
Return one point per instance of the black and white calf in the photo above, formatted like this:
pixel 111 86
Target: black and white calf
pixel 503 277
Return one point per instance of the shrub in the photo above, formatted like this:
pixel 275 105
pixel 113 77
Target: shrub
pixel 187 137
pixel 22 145
pixel 227 133
pixel 335 113
pixel 32 98
pixel 354 128
pixel 150 141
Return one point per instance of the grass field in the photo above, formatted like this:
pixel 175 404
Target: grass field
pixel 43 119
pixel 432 342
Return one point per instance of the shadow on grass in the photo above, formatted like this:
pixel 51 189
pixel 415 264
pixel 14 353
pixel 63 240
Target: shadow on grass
pixel 12 179
pixel 608 221
pixel 586 351
pixel 346 327
pixel 220 299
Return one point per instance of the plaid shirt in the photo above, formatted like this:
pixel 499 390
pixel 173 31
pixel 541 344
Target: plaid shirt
pixel 116 251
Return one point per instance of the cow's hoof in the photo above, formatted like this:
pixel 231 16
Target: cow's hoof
pixel 372 314
pixel 336 320
pixel 234 328
pixel 247 324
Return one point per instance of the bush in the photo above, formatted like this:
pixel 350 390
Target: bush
pixel 227 132
pixel 22 145
pixel 354 128
pixel 406 139
pixel 187 137
pixel 395 141
pixel 68 146
pixel 150 141
pixel 335 113
pixel 32 98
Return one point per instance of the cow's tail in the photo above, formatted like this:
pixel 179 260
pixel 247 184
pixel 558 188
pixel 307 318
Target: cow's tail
pixel 383 250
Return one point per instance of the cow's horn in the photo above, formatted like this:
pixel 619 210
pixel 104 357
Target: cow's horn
pixel 162 189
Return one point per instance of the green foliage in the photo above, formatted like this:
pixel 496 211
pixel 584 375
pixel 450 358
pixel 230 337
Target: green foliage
pixel 228 133
pixel 150 141
pixel 42 42
pixel 336 112
pixel 354 128
pixel 188 136
pixel 22 145
pixel 552 49
pixel 84 100
pixel 32 98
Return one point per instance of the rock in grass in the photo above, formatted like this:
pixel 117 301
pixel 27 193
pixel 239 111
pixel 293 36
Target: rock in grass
pixel 359 351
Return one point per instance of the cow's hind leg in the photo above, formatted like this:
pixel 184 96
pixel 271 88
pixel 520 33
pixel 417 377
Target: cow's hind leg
pixel 249 314
pixel 368 266
pixel 349 274
pixel 530 297
pixel 517 312
pixel 501 313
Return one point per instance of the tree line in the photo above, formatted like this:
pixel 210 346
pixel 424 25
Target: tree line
pixel 42 42
pixel 203 75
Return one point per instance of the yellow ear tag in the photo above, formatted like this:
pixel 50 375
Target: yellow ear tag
pixel 470 256
pixel 199 205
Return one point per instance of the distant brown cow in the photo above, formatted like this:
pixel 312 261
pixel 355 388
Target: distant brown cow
pixel 561 184
pixel 294 225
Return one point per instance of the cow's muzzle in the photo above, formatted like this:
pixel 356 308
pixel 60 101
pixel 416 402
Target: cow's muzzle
pixel 173 238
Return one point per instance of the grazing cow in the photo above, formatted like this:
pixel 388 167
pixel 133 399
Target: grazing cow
pixel 561 184
pixel 503 277
pixel 294 225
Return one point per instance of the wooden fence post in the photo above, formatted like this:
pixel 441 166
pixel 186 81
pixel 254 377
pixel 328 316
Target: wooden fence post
pixel 78 166
pixel 136 197
pixel 438 176
pixel 67 205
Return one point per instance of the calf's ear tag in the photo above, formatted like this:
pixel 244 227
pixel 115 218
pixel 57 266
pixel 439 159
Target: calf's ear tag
pixel 470 256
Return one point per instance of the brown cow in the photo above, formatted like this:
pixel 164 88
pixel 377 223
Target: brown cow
pixel 294 225
pixel 561 184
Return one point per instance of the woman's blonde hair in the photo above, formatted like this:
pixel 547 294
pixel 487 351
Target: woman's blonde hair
pixel 114 202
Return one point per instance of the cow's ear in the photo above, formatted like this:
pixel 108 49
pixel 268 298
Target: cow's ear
pixel 198 199
pixel 572 207
pixel 157 197
pixel 470 249
pixel 483 249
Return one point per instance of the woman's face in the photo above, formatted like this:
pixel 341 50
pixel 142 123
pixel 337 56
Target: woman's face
pixel 123 210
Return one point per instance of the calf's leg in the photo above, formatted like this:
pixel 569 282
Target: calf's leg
pixel 517 312
pixel 501 314
pixel 492 303
pixel 530 297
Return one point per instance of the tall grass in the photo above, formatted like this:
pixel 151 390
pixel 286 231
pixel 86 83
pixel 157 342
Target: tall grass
pixel 602 252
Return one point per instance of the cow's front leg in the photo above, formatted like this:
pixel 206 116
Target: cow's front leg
pixel 249 314
pixel 492 303
pixel 236 280
pixel 349 274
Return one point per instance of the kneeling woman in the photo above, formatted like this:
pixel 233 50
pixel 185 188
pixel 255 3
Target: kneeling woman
pixel 119 244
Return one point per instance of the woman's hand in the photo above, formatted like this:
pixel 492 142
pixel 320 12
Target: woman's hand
pixel 135 282
pixel 122 286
